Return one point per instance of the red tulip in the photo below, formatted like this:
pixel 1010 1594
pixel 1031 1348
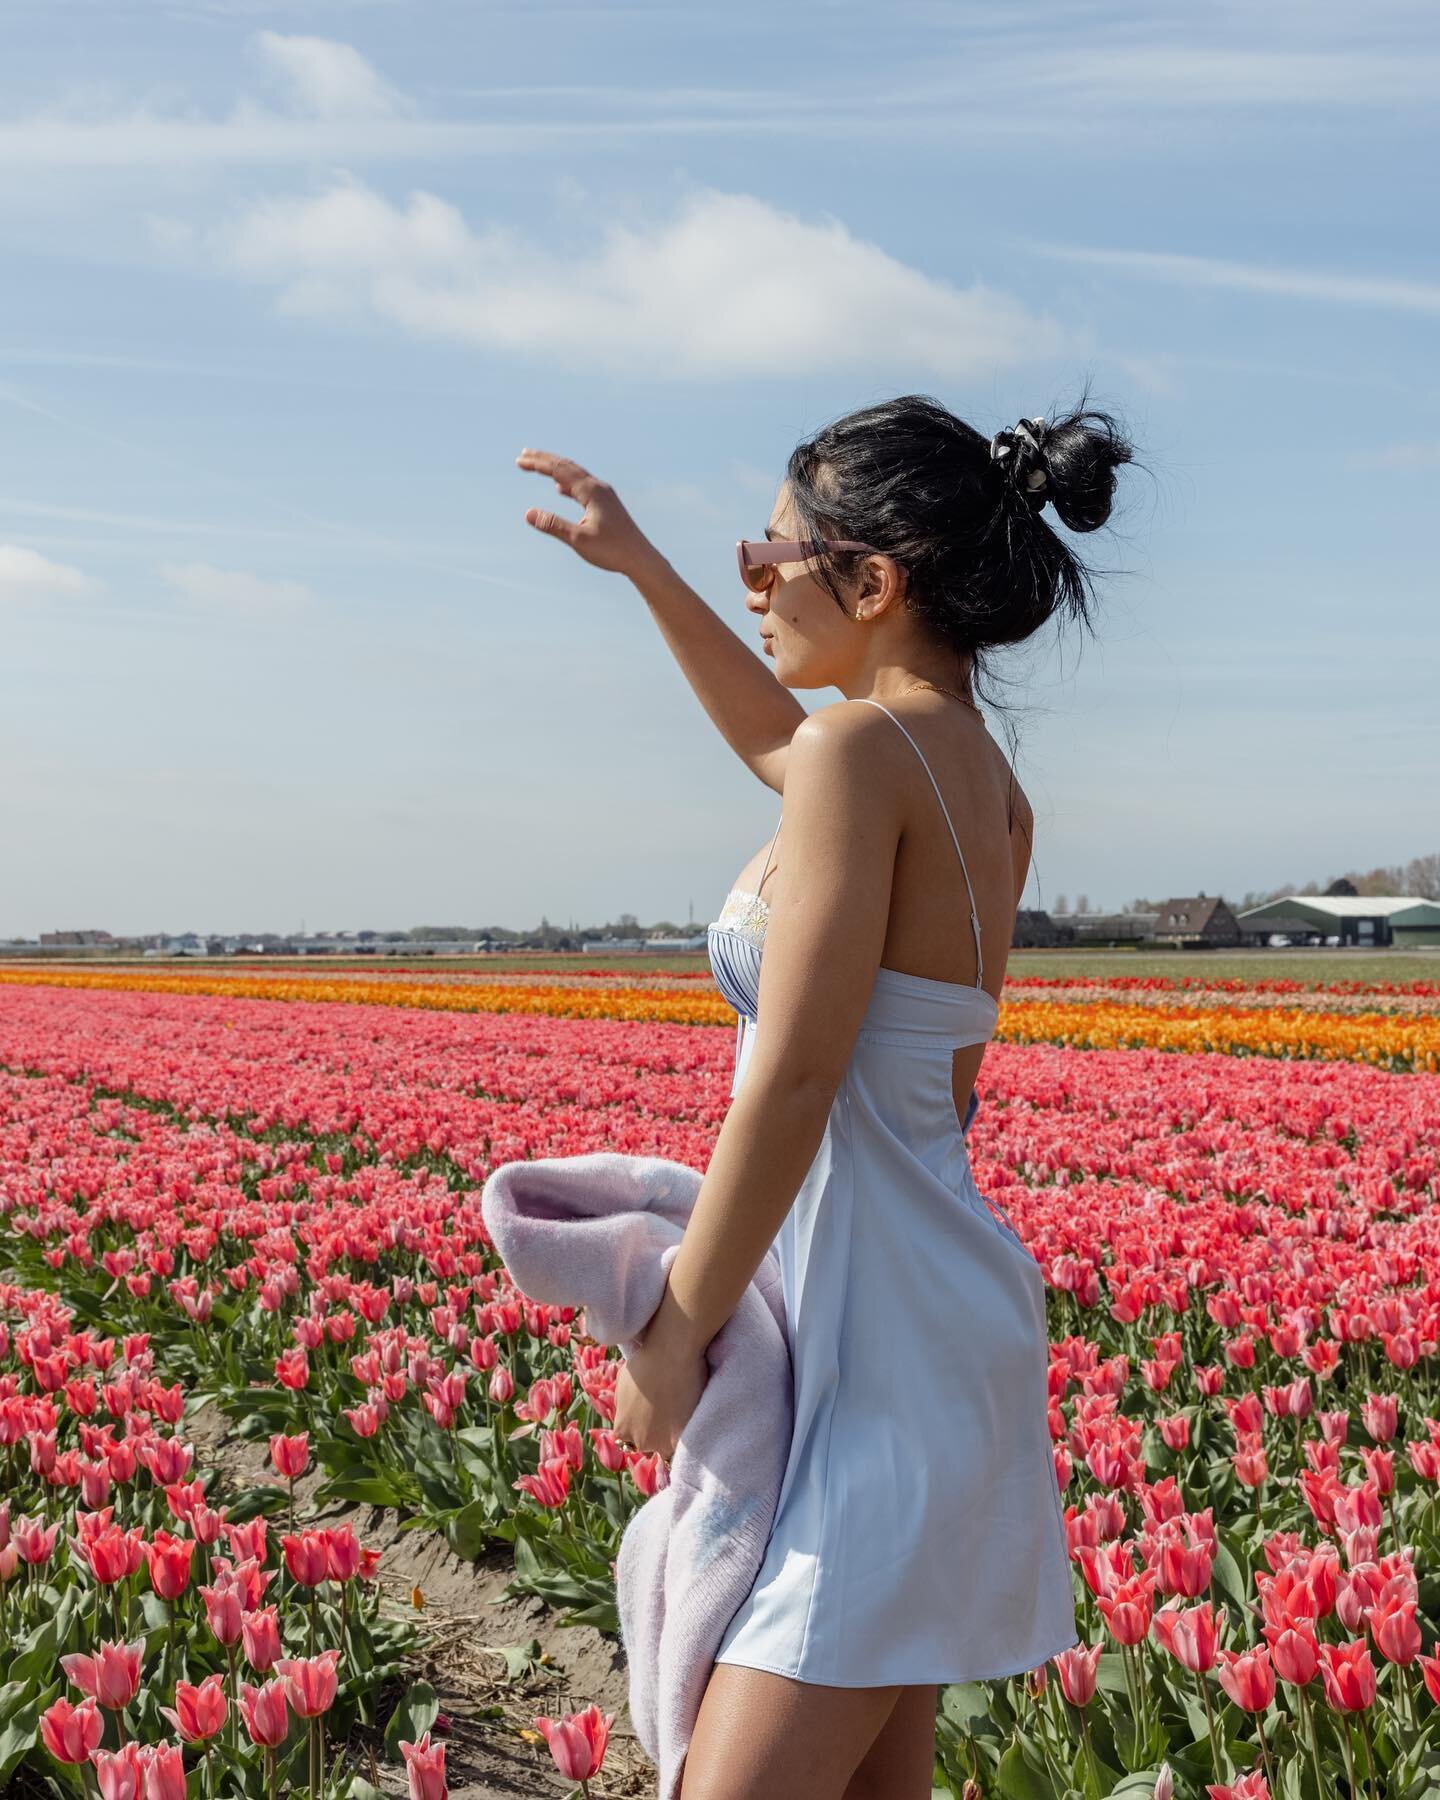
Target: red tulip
pixel 343 1552
pixel 307 1557
pixel 1348 1674
pixel 169 1559
pixel 290 1455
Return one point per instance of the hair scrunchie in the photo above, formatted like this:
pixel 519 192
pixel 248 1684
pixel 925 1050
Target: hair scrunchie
pixel 1020 453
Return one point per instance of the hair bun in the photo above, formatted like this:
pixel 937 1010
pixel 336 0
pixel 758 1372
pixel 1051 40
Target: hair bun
pixel 1069 462
pixel 1020 453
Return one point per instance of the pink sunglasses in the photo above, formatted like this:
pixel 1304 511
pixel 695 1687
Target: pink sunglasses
pixel 754 557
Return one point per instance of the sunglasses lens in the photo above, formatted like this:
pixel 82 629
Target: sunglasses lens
pixel 756 576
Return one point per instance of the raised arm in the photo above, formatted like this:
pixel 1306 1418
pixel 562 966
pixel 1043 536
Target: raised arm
pixel 754 714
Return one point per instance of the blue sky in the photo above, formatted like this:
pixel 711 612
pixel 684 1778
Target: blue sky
pixel 287 286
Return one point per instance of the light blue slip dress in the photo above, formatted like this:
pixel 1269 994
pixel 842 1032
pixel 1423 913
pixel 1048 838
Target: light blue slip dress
pixel 919 1535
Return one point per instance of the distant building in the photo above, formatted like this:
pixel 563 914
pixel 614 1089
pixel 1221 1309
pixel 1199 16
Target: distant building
pixel 1199 921
pixel 1370 919
pixel 73 939
pixel 1107 930
pixel 1036 930
pixel 1196 922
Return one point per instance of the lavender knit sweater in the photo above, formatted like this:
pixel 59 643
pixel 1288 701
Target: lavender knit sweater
pixel 601 1231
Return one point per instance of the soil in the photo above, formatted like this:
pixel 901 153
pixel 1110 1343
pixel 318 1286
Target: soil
pixel 464 1619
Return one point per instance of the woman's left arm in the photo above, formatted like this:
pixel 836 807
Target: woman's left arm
pixel 823 944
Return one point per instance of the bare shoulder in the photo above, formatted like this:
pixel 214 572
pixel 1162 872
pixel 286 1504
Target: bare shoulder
pixel 837 735
pixel 833 758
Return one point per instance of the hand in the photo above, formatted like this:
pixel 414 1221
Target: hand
pixel 656 1392
pixel 606 536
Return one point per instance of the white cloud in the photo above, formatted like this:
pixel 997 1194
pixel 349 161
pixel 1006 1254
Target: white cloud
pixel 26 575
pixel 729 286
pixel 1155 77
pixel 235 590
pixel 1256 278
pixel 327 79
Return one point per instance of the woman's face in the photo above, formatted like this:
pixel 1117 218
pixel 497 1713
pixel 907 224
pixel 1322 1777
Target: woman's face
pixel 810 640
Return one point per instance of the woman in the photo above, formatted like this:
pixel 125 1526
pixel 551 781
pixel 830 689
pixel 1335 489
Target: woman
pixel 919 1537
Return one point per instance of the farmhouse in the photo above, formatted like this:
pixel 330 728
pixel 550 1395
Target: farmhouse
pixel 1398 919
pixel 1196 922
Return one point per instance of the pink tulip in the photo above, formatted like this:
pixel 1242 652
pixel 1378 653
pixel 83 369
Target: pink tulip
pixel 199 1712
pixel 34 1541
pixel 72 1734
pixel 121 1773
pixel 165 1772
pixel 266 1717
pixel 261 1631
pixel 425 1769
pixel 310 1682
pixel 1078 1668
pixel 111 1677
pixel 577 1741
pixel 223 1610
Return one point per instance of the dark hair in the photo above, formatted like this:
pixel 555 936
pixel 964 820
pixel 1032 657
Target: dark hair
pixel 961 512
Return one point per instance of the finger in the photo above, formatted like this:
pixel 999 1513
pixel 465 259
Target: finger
pixel 552 524
pixel 564 470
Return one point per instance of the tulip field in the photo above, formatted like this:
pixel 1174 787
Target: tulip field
pixel 253 1196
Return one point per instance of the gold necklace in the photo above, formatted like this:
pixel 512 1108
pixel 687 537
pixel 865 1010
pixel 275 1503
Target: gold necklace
pixel 936 688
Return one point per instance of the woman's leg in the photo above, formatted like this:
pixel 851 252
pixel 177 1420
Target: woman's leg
pixel 762 1737
pixel 900 1764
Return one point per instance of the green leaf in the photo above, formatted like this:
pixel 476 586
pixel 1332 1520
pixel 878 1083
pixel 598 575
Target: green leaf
pixel 392 1489
pixel 520 1659
pixel 967 1704
pixel 466 1533
pixel 1226 1573
pixel 1018 1780
pixel 36 1652
pixel 249 1503
pixel 412 1718
pixel 20 1721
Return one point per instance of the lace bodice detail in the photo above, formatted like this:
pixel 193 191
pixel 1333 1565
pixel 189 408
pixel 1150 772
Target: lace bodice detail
pixel 745 914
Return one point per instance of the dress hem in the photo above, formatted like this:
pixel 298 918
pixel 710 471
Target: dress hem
pixel 908 1680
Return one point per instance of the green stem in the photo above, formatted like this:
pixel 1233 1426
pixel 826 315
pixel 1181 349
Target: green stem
pixel 1314 1734
pixel 1369 1757
pixel 1210 1723
pixel 1343 1726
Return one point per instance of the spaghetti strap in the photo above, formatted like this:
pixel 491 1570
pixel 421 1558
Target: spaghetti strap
pixel 974 916
pixel 768 854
